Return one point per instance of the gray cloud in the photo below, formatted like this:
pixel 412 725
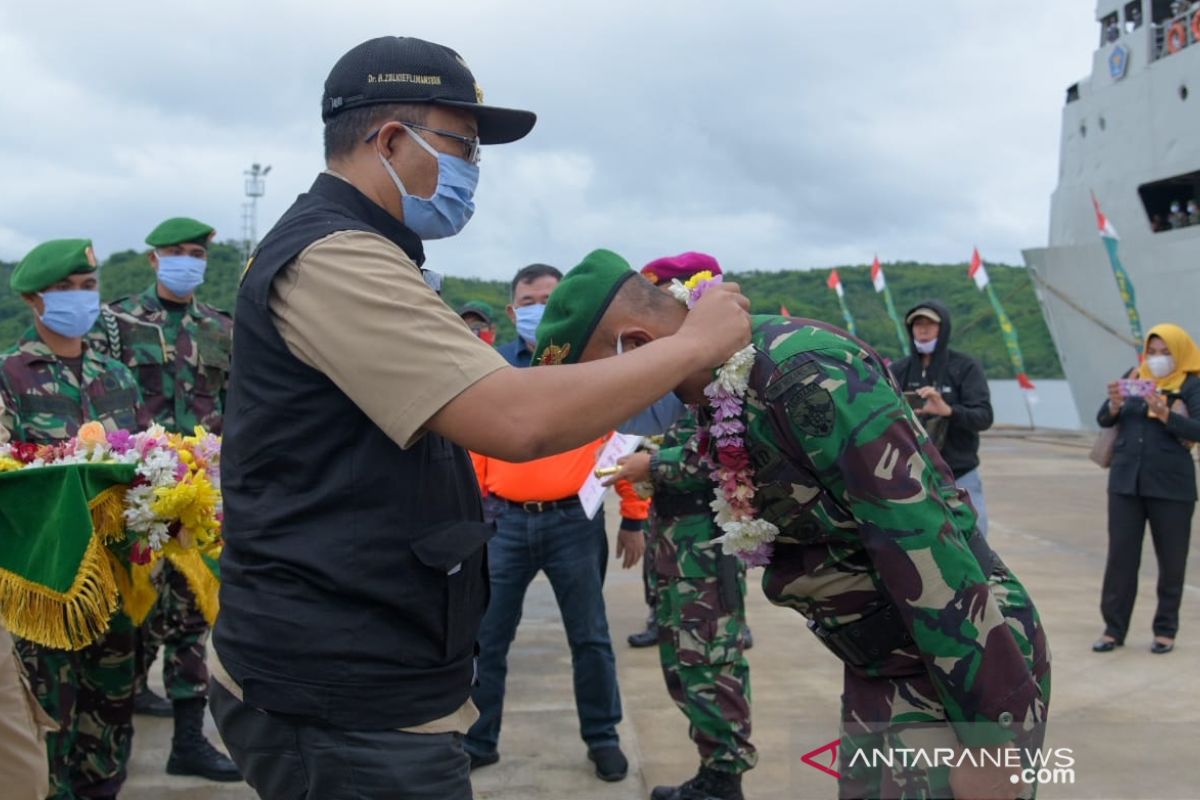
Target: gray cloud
pixel 772 134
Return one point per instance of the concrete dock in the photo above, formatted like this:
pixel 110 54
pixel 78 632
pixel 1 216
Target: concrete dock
pixel 1130 718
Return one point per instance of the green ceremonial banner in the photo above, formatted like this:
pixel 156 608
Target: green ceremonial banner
pixel 1124 284
pixel 1010 339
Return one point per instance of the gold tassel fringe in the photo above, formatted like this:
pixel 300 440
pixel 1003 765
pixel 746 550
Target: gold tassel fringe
pixel 108 513
pixel 68 620
pixel 200 578
pixel 138 592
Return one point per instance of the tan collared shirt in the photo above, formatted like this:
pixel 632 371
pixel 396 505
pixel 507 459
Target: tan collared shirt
pixel 354 306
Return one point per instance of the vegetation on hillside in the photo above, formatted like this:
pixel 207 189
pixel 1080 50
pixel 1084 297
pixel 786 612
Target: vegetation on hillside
pixel 802 293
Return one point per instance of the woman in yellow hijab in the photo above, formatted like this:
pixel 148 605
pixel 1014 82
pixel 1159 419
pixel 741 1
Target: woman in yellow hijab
pixel 1152 479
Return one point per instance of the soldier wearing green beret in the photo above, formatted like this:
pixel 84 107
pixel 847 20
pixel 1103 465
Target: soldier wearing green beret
pixel 179 350
pixel 814 445
pixel 51 383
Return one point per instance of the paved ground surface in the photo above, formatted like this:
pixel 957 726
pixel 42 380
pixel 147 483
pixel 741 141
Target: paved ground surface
pixel 1130 717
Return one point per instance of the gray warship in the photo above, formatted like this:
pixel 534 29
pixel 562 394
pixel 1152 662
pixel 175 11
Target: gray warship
pixel 1131 139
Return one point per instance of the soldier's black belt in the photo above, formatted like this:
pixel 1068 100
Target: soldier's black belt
pixel 867 640
pixel 670 506
pixel 540 506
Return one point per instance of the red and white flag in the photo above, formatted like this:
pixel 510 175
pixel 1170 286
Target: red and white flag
pixel 877 276
pixel 1107 231
pixel 977 271
pixel 834 282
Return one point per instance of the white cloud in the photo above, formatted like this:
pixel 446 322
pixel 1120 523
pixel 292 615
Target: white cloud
pixel 771 134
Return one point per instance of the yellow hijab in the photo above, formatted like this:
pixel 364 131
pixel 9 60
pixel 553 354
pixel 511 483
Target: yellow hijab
pixel 1183 350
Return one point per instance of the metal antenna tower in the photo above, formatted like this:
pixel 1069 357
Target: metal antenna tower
pixel 256 187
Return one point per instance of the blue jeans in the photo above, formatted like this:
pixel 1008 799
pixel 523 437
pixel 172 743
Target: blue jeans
pixel 974 486
pixel 573 552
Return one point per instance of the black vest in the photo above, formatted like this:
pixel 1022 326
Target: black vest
pixel 354 575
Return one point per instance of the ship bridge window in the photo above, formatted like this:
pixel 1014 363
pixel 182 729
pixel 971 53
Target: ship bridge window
pixel 1173 202
pixel 1133 16
pixel 1110 28
pixel 1072 92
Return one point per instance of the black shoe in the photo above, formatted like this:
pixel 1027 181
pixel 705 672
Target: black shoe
pixel 611 764
pixel 148 703
pixel 1106 645
pixel 747 639
pixel 709 784
pixel 482 759
pixel 1158 648
pixel 646 638
pixel 191 753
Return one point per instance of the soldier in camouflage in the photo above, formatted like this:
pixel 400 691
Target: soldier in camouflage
pixel 178 348
pixel 51 383
pixel 698 595
pixel 877 547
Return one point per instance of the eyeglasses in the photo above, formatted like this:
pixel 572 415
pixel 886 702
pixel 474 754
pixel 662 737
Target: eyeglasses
pixel 470 144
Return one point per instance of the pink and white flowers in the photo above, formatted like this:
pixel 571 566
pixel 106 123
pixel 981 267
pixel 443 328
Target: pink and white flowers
pixel 744 535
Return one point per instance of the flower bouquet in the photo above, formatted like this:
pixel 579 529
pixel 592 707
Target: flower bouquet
pixel 84 521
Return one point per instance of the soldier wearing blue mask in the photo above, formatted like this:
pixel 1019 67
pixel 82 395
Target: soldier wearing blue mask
pixel 51 383
pixel 178 348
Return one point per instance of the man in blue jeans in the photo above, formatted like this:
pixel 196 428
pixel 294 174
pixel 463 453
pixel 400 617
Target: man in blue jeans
pixel 541 526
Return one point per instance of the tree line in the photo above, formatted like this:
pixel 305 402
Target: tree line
pixel 802 292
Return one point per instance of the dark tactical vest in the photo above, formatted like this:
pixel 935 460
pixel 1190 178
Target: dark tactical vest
pixel 354 575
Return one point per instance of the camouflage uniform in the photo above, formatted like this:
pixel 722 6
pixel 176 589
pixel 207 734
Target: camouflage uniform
pixel 181 361
pixel 699 601
pixel 876 540
pixel 89 692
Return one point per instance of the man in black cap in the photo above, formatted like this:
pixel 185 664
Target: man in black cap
pixel 354 572
pixel 950 393
pixel 479 318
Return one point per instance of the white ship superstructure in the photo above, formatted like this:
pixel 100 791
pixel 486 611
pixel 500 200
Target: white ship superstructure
pixel 1131 136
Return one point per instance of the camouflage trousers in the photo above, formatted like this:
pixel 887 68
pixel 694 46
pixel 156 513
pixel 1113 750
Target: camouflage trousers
pixel 89 693
pixel 176 624
pixel 902 709
pixel 700 646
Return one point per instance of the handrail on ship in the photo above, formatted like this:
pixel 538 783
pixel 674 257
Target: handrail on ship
pixel 1187 20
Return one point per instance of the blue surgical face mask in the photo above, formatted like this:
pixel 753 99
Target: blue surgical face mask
pixel 528 318
pixel 181 274
pixel 451 206
pixel 925 348
pixel 71 313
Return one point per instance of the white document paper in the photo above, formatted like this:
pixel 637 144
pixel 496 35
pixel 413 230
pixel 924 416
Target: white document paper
pixel 591 494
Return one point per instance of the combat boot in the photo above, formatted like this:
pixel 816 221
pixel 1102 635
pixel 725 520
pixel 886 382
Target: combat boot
pixel 191 754
pixel 709 784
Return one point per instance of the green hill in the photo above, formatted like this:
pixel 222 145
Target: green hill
pixel 803 293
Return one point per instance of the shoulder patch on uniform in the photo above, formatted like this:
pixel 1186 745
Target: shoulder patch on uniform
pixel 811 408
pixel 803 390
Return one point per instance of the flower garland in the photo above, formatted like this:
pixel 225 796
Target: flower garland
pixel 174 502
pixel 745 536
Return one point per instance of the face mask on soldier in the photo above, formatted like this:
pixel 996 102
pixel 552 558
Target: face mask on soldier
pixel 70 313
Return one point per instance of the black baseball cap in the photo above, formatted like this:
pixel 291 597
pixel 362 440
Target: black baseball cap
pixel 404 69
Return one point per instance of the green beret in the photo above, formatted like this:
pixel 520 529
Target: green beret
pixel 479 309
pixel 577 305
pixel 50 262
pixel 179 230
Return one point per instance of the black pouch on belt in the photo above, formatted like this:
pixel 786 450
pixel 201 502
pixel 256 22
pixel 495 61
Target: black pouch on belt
pixel 728 573
pixel 866 640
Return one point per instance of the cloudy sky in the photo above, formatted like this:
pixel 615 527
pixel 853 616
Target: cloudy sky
pixel 774 135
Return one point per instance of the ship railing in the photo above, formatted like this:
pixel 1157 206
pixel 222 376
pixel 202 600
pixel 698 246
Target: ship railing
pixel 1162 30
